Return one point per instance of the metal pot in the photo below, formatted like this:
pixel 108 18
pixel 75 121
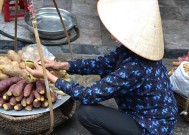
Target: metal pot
pixel 49 24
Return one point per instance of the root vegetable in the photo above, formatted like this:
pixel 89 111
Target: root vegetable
pixel 59 92
pixel 2 93
pixel 4 60
pixel 40 86
pixel 18 107
pixel 67 78
pixel 13 101
pixel 42 98
pixel 19 98
pixel 6 83
pixel 6 97
pixel 2 101
pixel 7 106
pixel 59 73
pixel 30 99
pixel 29 107
pixel 23 102
pixel 13 69
pixel 3 76
pixel 14 56
pixel 20 53
pixel 37 95
pixel 45 103
pixel 19 88
pixel 174 63
pixel 36 103
pixel 22 65
pixel 11 88
pixel 28 89
pixel 53 96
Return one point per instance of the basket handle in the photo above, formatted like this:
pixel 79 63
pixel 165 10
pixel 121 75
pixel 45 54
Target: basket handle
pixel 19 119
pixel 73 109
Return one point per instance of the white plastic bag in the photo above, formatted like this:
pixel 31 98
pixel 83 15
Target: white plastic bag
pixel 180 80
pixel 30 52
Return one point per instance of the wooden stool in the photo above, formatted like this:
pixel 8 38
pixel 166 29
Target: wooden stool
pixel 6 9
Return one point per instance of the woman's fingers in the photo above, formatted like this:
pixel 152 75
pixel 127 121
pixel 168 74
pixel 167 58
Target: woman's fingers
pixel 29 70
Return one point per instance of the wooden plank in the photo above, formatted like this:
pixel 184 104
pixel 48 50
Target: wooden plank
pixel 1 5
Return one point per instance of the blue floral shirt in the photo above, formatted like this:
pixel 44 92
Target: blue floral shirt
pixel 140 87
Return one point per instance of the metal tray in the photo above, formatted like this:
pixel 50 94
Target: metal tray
pixel 49 24
pixel 59 102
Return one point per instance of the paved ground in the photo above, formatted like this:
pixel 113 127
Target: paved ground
pixel 95 40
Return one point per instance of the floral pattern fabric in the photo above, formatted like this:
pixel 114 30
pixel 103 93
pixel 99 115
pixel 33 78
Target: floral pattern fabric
pixel 140 87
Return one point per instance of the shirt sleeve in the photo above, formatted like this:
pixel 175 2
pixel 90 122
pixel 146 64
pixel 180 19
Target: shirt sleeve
pixel 100 66
pixel 124 79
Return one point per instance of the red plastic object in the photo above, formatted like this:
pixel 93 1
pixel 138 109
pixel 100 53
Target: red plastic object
pixel 6 9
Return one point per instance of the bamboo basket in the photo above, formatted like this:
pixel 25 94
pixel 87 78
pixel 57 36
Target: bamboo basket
pixel 37 124
pixel 183 105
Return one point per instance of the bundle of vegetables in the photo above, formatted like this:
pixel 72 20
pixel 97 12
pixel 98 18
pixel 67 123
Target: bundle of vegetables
pixel 177 63
pixel 17 94
pixel 13 65
pixel 186 68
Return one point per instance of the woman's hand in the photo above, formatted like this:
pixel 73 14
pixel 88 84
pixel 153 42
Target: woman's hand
pixel 56 65
pixel 38 72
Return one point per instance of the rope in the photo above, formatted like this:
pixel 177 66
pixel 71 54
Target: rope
pixel 63 25
pixel 15 26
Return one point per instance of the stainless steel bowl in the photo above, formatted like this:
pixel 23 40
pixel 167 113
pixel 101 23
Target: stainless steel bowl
pixel 49 24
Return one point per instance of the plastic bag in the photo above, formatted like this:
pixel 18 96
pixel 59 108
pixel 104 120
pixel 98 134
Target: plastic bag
pixel 180 80
pixel 30 52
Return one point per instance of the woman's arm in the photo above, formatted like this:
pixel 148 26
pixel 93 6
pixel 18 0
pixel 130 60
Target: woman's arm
pixel 101 65
pixel 123 79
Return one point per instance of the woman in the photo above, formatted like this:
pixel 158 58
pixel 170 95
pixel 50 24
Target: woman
pixel 133 75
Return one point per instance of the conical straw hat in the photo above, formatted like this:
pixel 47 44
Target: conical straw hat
pixel 136 24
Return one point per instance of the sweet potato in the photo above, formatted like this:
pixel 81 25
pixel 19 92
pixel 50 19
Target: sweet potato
pixel 2 101
pixel 29 107
pixel 7 106
pixel 28 89
pixel 37 95
pixel 53 96
pixel 42 98
pixel 36 103
pixel 22 65
pixel 23 102
pixel 6 97
pixel 67 77
pixel 3 76
pixel 19 98
pixel 6 83
pixel 45 103
pixel 19 88
pixel 14 56
pixel 30 99
pixel 13 69
pixel 2 93
pixel 20 53
pixel 40 86
pixel 18 107
pixel 11 88
pixel 4 60
pixel 13 101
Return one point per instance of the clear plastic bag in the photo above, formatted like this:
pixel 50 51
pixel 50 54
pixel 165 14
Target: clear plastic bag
pixel 31 53
pixel 180 80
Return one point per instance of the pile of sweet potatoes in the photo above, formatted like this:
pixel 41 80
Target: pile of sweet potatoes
pixel 17 94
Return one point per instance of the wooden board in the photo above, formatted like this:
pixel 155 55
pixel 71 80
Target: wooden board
pixel 1 5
